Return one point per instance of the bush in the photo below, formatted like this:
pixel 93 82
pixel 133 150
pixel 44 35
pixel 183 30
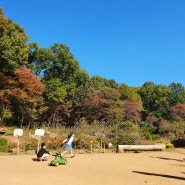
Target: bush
pixel 54 144
pixel 168 144
pixel 82 143
pixel 3 145
pixel 31 144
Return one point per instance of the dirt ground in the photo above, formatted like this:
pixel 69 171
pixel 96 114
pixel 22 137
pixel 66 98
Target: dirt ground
pixel 153 168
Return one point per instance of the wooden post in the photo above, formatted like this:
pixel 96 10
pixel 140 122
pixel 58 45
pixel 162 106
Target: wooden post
pixel 103 147
pixel 38 144
pixel 91 147
pixel 18 143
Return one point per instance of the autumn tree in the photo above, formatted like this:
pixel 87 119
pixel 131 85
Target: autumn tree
pixel 26 95
pixel 102 103
pixel 132 111
pixel 177 112
pixel 164 127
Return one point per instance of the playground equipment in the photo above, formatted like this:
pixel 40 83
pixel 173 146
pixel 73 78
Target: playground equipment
pixel 17 133
pixel 38 134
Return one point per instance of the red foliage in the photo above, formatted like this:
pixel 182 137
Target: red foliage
pixel 97 105
pixel 151 119
pixel 132 111
pixel 177 112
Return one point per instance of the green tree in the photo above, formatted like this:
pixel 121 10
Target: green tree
pixel 97 82
pixel 39 59
pixel 177 95
pixel 5 91
pixel 129 93
pixel 71 79
pixel 155 99
pixel 146 93
pixel 13 47
pixel 55 94
pixel 160 101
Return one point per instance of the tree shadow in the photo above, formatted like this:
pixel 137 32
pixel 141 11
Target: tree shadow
pixel 160 175
pixel 165 158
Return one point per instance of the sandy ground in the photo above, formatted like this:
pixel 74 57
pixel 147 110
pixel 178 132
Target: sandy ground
pixel 153 168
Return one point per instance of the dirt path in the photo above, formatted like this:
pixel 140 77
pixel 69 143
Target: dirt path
pixel 153 168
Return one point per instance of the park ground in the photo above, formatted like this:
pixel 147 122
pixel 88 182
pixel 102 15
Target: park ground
pixel 145 168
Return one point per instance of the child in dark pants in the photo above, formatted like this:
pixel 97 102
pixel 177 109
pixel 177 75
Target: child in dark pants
pixel 43 154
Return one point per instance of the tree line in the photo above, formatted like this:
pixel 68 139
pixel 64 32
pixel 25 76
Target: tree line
pixel 46 86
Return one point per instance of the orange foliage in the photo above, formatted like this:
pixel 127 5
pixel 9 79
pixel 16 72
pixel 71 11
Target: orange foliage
pixel 28 81
pixel 19 94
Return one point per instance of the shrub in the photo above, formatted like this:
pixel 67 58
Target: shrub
pixel 3 145
pixel 54 144
pixel 31 144
pixel 82 143
pixel 168 144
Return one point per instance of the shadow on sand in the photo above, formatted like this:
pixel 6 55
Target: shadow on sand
pixel 165 158
pixel 160 175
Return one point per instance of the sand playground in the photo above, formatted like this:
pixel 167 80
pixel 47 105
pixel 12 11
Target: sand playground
pixel 145 168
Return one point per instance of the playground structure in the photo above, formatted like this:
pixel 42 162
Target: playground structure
pixel 39 133
pixel 18 133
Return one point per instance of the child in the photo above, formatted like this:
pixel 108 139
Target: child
pixel 43 153
pixel 68 142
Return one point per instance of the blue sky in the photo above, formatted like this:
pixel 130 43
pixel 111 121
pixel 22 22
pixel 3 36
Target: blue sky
pixel 129 41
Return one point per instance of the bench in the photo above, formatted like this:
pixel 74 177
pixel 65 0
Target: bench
pixel 138 148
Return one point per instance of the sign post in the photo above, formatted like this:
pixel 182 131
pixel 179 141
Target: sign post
pixel 18 133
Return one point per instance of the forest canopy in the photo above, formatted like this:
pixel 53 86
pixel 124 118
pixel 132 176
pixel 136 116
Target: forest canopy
pixel 46 86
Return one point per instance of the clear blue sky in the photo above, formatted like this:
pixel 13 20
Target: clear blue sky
pixel 129 41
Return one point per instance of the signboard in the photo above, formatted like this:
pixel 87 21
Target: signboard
pixel 39 132
pixel 18 132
